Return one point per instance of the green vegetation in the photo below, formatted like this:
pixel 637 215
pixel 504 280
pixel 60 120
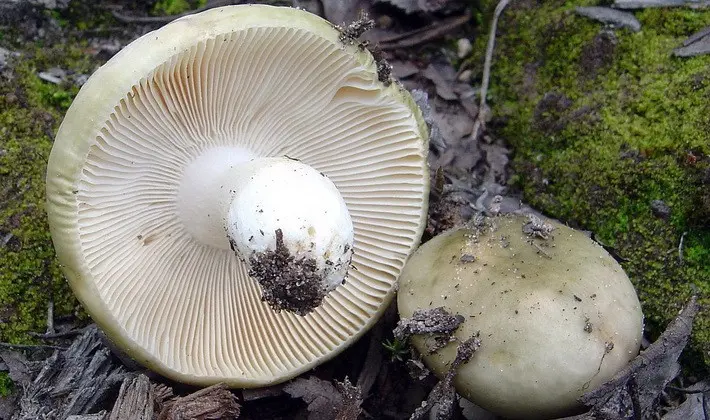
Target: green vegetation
pixel 397 349
pixel 603 123
pixel 175 7
pixel 6 384
pixel 30 111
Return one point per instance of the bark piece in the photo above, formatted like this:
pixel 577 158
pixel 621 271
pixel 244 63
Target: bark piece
pixel 213 403
pixel 74 381
pixel 135 400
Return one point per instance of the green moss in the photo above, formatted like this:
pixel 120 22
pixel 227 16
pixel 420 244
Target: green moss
pixel 605 122
pixel 175 7
pixel 30 111
pixel 6 384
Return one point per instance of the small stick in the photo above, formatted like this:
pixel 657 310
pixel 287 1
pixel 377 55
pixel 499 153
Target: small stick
pixel 50 336
pixel 480 119
pixel 420 36
pixel 680 248
pixel 31 346
pixel 50 317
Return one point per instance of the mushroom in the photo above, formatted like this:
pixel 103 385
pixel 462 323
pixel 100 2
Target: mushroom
pixel 247 127
pixel 555 313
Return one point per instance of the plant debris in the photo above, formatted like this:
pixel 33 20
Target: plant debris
pixel 613 17
pixel 696 44
pixel 325 400
pixel 350 34
pixel 73 381
pixel 644 4
pixel 635 391
pixel 436 323
pixel 443 396
pixel 537 228
pixel 215 402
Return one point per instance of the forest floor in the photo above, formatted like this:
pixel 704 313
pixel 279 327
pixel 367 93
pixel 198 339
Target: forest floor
pixel 479 150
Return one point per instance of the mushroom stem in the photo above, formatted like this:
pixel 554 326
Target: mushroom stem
pixel 284 219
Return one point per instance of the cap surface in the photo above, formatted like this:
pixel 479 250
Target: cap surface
pixel 234 82
pixel 555 313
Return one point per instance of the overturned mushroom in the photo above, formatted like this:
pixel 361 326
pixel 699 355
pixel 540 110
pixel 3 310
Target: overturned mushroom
pixel 252 128
pixel 555 313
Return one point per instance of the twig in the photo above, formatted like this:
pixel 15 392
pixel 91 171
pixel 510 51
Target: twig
pixel 50 317
pixel 680 248
pixel 422 35
pixel 688 390
pixel 540 250
pixel 480 122
pixel 165 19
pixel 31 346
pixel 65 334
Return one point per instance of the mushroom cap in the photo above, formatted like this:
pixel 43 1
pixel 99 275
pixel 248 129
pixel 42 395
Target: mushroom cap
pixel 234 83
pixel 556 317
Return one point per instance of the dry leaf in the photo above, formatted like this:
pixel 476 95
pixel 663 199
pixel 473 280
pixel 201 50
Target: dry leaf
pixel 635 391
pixel 324 400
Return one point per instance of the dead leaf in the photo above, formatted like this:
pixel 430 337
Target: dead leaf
pixel 324 400
pixel 341 12
pixel 415 6
pixel 441 399
pixel 352 399
pixel 17 367
pixel 610 16
pixel 443 77
pixel 696 44
pixel 403 69
pixel 635 391
pixel 696 405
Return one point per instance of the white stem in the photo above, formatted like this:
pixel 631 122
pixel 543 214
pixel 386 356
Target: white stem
pixel 286 220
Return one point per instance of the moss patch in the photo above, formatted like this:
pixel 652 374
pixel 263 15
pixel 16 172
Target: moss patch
pixel 174 7
pixel 30 111
pixel 603 123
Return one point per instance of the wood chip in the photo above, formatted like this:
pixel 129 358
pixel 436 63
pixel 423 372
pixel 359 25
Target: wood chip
pixel 75 381
pixel 213 403
pixel 135 400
